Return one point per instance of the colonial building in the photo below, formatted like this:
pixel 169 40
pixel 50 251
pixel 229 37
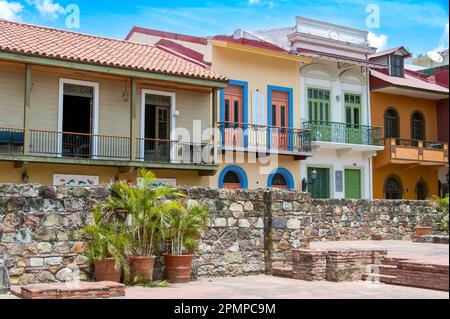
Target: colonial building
pixel 334 105
pixel 81 110
pixel 261 138
pixel 406 104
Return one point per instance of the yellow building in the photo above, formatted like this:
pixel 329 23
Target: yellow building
pixel 81 110
pixel 261 139
pixel 404 104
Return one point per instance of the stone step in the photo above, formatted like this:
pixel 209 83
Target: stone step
pixel 285 272
pixel 386 279
pixel 389 270
pixel 79 290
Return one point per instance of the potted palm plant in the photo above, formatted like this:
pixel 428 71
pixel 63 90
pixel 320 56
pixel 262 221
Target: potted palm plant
pixel 107 246
pixel 184 233
pixel 148 210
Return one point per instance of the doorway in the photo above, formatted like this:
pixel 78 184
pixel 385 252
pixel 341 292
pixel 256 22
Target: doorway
pixel 280 120
pixel 320 188
pixel 156 127
pixel 77 120
pixel 353 119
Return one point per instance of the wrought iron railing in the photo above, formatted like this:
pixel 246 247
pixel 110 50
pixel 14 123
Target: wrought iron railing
pixel 321 131
pixel 11 140
pixel 180 152
pixel 78 145
pixel 418 143
pixel 264 138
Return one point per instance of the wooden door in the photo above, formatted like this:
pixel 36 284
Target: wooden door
pixel 280 120
pixel 319 112
pixel 352 184
pixel 354 132
pixel 233 117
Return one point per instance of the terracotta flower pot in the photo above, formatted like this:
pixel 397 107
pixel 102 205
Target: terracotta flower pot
pixel 141 266
pixel 105 270
pixel 178 268
pixel 423 231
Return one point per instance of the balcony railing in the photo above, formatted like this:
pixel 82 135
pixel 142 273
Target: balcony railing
pixel 78 145
pixel 102 147
pixel 11 140
pixel 179 152
pixel 415 150
pixel 321 131
pixel 263 138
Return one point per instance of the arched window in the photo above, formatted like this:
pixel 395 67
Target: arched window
pixel 418 126
pixel 281 178
pixel 391 124
pixel 421 190
pixel 233 177
pixel 279 181
pixel 393 188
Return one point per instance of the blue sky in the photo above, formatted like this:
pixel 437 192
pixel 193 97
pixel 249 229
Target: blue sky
pixel 419 25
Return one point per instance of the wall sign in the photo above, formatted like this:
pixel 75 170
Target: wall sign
pixel 75 180
pixel 339 181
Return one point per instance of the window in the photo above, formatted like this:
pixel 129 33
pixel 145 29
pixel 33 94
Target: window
pixel 391 124
pixel 418 126
pixel 233 177
pixel 397 65
pixel 319 105
pixel 282 179
pixel 392 188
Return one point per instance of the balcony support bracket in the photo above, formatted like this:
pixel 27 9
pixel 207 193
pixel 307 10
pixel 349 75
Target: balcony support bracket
pixel 343 151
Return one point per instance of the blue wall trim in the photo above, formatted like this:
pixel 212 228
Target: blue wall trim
pixel 286 174
pixel 244 86
pixel 290 91
pixel 239 171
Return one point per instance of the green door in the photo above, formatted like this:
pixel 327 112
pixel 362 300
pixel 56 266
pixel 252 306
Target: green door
pixel 321 187
pixel 352 184
pixel 354 133
pixel 319 113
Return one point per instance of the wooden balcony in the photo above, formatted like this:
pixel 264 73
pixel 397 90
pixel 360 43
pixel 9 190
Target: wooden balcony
pixel 413 152
pixel 103 150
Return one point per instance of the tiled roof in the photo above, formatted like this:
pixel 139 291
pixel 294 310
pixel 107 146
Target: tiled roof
pixel 409 81
pixel 389 51
pixel 63 45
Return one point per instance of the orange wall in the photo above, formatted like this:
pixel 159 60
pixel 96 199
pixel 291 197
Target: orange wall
pixel 405 106
pixel 409 179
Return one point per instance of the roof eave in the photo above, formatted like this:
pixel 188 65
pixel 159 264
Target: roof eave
pixel 111 70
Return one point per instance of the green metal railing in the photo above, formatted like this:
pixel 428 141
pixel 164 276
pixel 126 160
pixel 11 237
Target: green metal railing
pixel 321 131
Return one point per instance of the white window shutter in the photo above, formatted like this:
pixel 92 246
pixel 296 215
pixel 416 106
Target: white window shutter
pixel 259 111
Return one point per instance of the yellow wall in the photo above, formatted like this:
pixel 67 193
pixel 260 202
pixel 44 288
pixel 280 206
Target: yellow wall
pixel 12 83
pixel 405 106
pixel 258 173
pixel 409 179
pixel 259 71
pixel 43 173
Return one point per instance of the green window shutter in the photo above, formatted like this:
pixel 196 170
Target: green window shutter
pixel 352 184
pixel 321 187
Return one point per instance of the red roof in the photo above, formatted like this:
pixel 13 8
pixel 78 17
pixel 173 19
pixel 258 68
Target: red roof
pixel 412 80
pixel 81 48
pixel 390 51
pixel 167 35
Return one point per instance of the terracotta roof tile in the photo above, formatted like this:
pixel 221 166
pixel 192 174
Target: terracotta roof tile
pixel 77 47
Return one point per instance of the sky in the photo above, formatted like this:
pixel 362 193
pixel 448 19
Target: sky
pixel 420 26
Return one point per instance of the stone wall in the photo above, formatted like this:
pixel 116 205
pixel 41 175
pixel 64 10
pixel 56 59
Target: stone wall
pixel 251 231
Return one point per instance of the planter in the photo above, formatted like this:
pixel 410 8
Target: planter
pixel 105 270
pixel 178 268
pixel 423 231
pixel 141 266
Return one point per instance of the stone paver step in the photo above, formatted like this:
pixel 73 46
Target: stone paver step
pixel 390 280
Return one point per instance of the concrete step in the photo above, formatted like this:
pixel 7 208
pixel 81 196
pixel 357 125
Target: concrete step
pixel 390 280
pixel 389 270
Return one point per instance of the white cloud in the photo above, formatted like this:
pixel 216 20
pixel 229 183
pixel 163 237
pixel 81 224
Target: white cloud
pixel 377 41
pixel 10 10
pixel 253 1
pixel 443 41
pixel 47 8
